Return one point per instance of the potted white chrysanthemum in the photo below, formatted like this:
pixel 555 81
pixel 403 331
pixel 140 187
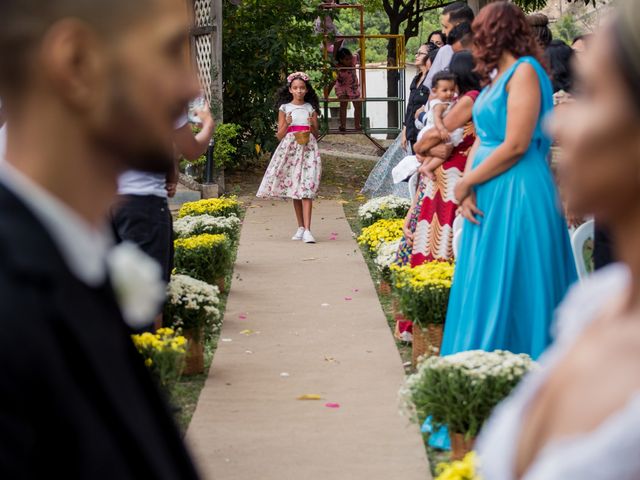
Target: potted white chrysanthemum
pixel 386 256
pixel 192 307
pixel 460 391
pixel 387 207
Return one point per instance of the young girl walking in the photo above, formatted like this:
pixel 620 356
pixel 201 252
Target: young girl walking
pixel 295 168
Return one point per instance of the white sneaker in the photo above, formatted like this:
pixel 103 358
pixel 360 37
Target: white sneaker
pixel 307 237
pixel 299 234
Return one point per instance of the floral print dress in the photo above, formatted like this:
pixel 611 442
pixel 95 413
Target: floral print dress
pixel 295 169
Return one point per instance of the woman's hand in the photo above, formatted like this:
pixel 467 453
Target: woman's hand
pixel 419 111
pixel 469 209
pixel 462 190
pixel 403 139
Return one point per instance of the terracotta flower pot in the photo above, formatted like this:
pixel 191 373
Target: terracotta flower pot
pixel 460 445
pixel 385 287
pixel 426 341
pixel 220 284
pixel 194 359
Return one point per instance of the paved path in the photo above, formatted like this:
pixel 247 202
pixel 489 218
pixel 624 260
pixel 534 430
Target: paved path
pixel 321 331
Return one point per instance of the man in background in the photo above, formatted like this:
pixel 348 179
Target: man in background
pixel 452 15
pixel 142 214
pixel 90 89
pixel 460 37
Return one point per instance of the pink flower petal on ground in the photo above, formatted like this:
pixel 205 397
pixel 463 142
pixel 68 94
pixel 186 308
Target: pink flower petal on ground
pixel 356 290
pixel 348 299
pixel 332 405
pixel 242 316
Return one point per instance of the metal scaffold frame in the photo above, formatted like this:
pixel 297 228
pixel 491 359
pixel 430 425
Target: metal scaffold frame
pixel 399 66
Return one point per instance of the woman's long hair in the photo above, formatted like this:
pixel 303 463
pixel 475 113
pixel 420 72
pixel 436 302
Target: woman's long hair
pixel 501 27
pixel 462 67
pixel 284 96
pixel 559 57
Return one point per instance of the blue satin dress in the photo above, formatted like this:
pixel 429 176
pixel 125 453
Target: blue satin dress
pixel 514 268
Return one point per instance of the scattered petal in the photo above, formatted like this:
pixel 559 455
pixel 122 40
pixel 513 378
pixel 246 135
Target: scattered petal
pixel 248 352
pixel 356 290
pixel 242 316
pixel 310 396
pixel 226 340
pixel 248 332
pixel 310 259
pixel 324 304
pixel 284 374
pixel 348 299
pixel 332 405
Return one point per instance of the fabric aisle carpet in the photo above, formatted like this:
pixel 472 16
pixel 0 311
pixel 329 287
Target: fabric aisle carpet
pixel 311 324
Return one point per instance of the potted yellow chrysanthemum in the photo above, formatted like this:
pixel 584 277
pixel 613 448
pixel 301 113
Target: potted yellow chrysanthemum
pixel 423 294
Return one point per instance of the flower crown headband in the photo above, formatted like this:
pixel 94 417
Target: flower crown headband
pixel 295 75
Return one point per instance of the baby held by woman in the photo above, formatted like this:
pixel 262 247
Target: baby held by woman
pixel 442 92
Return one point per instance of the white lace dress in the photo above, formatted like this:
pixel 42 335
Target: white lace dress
pixel 611 451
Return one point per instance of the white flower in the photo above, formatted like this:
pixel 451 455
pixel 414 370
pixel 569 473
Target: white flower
pixel 387 254
pixel 191 225
pixel 191 294
pixel 137 282
pixel 375 205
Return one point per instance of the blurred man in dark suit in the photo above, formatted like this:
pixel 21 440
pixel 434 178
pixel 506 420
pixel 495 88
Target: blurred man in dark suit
pixel 90 89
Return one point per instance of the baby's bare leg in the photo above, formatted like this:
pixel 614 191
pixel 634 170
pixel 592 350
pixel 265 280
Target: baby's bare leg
pixel 435 162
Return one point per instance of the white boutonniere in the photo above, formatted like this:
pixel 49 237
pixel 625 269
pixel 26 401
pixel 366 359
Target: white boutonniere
pixel 137 282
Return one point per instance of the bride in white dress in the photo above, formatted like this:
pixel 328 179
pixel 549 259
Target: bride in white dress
pixel 578 418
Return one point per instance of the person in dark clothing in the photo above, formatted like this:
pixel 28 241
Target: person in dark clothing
pixel 90 89
pixel 418 94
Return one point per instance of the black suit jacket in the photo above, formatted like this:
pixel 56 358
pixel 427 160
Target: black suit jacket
pixel 76 400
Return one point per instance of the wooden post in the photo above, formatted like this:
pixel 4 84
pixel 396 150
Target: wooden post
pixel 216 60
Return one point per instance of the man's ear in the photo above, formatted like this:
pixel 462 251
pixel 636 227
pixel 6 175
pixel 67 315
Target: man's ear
pixel 74 61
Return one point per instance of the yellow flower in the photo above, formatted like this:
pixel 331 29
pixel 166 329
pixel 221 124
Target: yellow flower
pixel 217 207
pixel 165 332
pixel 464 469
pixel 206 240
pixel 385 230
pixel 429 275
pixel 148 362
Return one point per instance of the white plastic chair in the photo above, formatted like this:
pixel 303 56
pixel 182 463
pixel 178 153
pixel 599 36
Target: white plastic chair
pixel 413 185
pixel 583 233
pixel 457 234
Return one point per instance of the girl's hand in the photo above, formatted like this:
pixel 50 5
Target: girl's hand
pixel 462 191
pixel 289 119
pixel 469 209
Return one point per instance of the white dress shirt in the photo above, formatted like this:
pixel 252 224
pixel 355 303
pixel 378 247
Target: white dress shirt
pixel 440 63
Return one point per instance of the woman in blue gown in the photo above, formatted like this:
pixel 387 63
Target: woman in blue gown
pixel 515 263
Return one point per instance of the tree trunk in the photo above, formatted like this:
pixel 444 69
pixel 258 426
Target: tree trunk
pixel 476 5
pixel 392 81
